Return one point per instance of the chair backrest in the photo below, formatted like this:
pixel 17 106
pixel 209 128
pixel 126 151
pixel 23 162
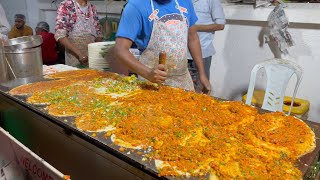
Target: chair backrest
pixel 279 72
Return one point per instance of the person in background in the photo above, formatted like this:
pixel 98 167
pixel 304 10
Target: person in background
pixel 20 28
pixel 4 25
pixel 106 29
pixel 210 19
pixel 61 53
pixel 77 25
pixel 49 44
pixel 161 26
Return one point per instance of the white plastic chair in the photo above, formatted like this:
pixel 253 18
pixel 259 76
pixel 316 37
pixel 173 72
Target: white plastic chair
pixel 279 72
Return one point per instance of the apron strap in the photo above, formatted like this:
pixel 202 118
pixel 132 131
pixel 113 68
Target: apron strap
pixel 76 6
pixel 154 13
pixel 152 6
pixel 178 7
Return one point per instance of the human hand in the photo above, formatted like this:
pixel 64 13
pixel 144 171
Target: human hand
pixel 83 60
pixel 206 84
pixel 158 74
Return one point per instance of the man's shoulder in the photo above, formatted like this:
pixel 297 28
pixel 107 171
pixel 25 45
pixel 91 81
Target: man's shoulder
pixel 66 5
pixel 12 32
pixel 93 7
pixel 185 2
pixel 51 35
pixel 13 29
pixel 28 28
pixel 139 4
pixel 136 7
pixel 203 2
pixel 66 2
pixel 47 35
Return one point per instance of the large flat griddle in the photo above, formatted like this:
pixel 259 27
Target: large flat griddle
pixel 136 158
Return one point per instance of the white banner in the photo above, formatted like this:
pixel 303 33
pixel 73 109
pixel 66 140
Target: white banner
pixel 17 162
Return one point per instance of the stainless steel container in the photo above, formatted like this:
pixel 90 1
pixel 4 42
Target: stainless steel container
pixel 23 56
pixel 3 66
pixel 24 63
pixel 24 42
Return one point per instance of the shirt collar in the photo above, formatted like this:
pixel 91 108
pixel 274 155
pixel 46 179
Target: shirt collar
pixel 19 29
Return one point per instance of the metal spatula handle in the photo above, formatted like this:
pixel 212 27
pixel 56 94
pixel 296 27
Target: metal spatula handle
pixel 14 75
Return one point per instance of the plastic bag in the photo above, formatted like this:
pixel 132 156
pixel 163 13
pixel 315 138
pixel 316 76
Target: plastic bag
pixel 278 25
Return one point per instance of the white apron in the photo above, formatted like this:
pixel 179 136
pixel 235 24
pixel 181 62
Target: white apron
pixel 172 39
pixel 82 34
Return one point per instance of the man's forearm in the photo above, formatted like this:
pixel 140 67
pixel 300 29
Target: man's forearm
pixel 125 57
pixel 209 27
pixel 67 44
pixel 195 49
pixel 157 74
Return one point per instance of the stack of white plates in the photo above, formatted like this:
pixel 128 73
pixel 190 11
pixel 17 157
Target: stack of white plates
pixel 97 52
pixel 56 68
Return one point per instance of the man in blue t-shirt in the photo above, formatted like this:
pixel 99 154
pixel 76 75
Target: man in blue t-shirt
pixel 161 26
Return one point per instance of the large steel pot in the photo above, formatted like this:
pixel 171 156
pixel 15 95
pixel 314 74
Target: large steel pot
pixel 24 63
pixel 24 42
pixel 3 66
pixel 23 56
